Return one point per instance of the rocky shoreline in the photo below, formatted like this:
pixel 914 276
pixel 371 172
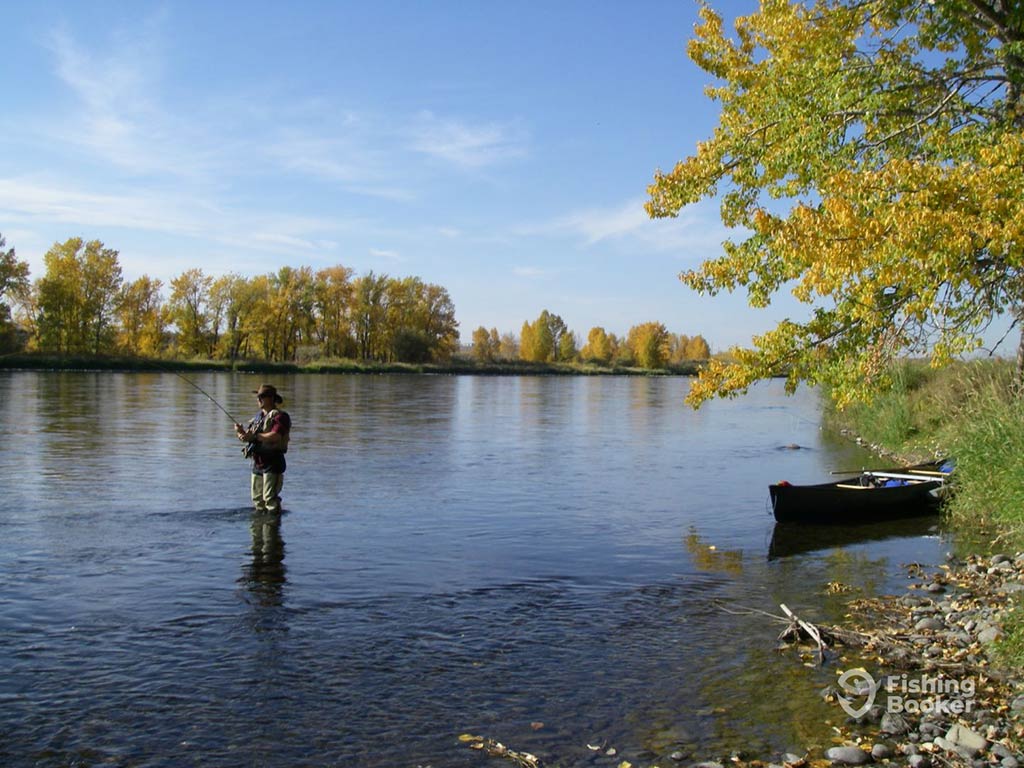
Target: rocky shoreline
pixel 938 698
pixel 941 699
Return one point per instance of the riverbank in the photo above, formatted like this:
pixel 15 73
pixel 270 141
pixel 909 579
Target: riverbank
pixel 934 677
pixel 952 647
pixel 970 411
pixel 932 688
pixel 920 678
pixel 458 366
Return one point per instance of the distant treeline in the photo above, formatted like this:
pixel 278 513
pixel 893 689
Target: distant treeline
pixel 547 339
pixel 82 305
pixel 458 365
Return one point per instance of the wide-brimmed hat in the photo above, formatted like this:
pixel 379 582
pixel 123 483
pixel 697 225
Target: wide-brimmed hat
pixel 267 389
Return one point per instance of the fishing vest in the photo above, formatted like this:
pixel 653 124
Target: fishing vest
pixel 267 421
pixel 261 424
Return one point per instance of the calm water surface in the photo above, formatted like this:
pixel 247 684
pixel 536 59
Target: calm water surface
pixel 550 562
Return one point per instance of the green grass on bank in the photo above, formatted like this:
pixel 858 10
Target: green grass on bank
pixel 459 365
pixel 968 411
pixel 1010 648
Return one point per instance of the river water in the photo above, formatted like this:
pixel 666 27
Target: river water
pixel 558 563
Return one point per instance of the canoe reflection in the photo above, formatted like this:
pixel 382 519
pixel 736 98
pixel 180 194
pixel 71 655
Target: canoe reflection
pixel 794 539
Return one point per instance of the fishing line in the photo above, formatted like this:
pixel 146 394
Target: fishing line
pixel 167 369
pixel 186 379
pixel 209 397
pixel 249 447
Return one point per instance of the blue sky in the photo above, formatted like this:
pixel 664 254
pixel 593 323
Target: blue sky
pixel 499 149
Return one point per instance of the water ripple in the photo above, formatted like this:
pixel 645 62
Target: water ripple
pixel 539 560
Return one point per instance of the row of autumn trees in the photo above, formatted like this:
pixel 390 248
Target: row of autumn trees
pixel 83 305
pixel 547 339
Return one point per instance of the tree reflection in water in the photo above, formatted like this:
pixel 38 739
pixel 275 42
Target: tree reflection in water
pixel 708 558
pixel 753 696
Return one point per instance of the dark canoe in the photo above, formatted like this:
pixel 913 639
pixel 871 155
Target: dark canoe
pixel 855 500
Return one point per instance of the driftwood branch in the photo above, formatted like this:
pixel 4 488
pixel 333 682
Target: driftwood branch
pixel 497 749
pixel 903 649
pixel 810 629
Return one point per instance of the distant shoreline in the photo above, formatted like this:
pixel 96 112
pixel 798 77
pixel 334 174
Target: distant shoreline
pixel 458 366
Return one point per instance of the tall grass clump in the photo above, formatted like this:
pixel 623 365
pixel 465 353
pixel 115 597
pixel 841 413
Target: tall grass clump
pixel 892 419
pixel 968 411
pixel 1010 647
pixel 987 439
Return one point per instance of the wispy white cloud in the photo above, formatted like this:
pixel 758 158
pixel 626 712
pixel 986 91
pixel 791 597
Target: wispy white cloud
pixel 316 155
pixel 596 225
pixel 465 145
pixel 122 118
pixel 697 229
pixel 279 241
pixel 30 201
pixel 347 157
pixel 381 253
pixel 119 118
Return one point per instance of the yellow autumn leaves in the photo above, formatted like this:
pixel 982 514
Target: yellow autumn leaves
pixel 876 173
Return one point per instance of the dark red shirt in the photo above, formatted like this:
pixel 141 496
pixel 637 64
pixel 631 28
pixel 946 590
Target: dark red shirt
pixel 272 459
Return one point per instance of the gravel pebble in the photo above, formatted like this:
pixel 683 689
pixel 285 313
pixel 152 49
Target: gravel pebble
pixel 848 755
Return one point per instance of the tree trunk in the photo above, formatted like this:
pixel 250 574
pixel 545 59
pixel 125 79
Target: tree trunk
pixel 1018 380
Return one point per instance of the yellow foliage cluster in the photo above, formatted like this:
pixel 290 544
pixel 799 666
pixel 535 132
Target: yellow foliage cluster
pixel 80 305
pixel 547 339
pixel 870 155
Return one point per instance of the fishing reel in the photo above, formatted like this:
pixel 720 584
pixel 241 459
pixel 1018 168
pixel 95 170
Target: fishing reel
pixel 249 449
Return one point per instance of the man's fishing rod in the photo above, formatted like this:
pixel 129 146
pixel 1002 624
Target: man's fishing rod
pixel 186 379
pixel 168 369
pixel 254 423
pixel 209 397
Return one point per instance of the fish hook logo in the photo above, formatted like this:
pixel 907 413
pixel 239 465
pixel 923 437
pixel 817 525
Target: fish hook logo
pixel 857 682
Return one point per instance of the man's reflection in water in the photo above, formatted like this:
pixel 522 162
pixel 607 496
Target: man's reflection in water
pixel 265 575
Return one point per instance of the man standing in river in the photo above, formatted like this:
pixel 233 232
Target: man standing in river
pixel 267 442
